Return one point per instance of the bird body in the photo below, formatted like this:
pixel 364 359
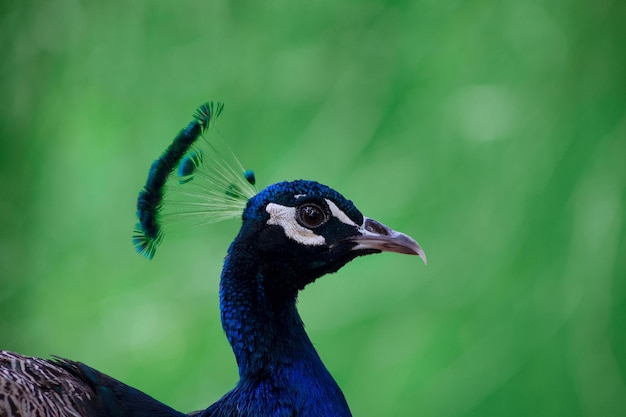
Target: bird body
pixel 292 233
pixel 34 387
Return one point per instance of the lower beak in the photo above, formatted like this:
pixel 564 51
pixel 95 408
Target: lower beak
pixel 375 235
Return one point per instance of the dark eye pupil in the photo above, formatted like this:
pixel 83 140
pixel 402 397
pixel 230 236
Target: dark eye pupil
pixel 311 216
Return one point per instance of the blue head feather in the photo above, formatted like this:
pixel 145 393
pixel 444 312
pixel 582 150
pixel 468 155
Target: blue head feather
pixel 287 193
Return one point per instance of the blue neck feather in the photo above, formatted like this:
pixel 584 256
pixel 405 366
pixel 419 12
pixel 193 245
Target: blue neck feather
pixel 280 372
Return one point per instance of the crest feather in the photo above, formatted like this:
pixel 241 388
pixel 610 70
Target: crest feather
pixel 197 180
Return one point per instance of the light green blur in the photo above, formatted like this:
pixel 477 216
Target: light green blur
pixel 493 132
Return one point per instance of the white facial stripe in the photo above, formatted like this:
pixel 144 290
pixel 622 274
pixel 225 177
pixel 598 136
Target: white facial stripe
pixel 340 215
pixel 285 217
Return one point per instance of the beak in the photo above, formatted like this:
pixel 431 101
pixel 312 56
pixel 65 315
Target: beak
pixel 375 235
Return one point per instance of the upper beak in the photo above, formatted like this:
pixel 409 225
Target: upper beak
pixel 375 235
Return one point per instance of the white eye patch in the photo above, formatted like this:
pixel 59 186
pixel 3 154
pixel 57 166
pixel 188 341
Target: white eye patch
pixel 285 217
pixel 340 215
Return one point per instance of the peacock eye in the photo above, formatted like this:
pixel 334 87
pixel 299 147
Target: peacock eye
pixel 311 216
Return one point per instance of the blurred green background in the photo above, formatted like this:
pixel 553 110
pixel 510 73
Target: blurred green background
pixel 494 132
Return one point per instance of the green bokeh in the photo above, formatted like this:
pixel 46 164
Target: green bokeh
pixel 492 132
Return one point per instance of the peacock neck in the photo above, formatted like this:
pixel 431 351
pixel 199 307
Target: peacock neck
pixel 278 365
pixel 264 328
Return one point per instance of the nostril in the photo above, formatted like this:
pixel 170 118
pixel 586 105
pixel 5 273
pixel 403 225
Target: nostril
pixel 375 227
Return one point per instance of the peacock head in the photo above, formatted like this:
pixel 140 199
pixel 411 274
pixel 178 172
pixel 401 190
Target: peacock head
pixel 298 230
pixel 302 230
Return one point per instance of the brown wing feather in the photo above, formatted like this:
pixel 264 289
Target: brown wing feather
pixel 33 387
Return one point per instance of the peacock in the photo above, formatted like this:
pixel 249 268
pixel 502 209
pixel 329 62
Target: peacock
pixel 291 234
